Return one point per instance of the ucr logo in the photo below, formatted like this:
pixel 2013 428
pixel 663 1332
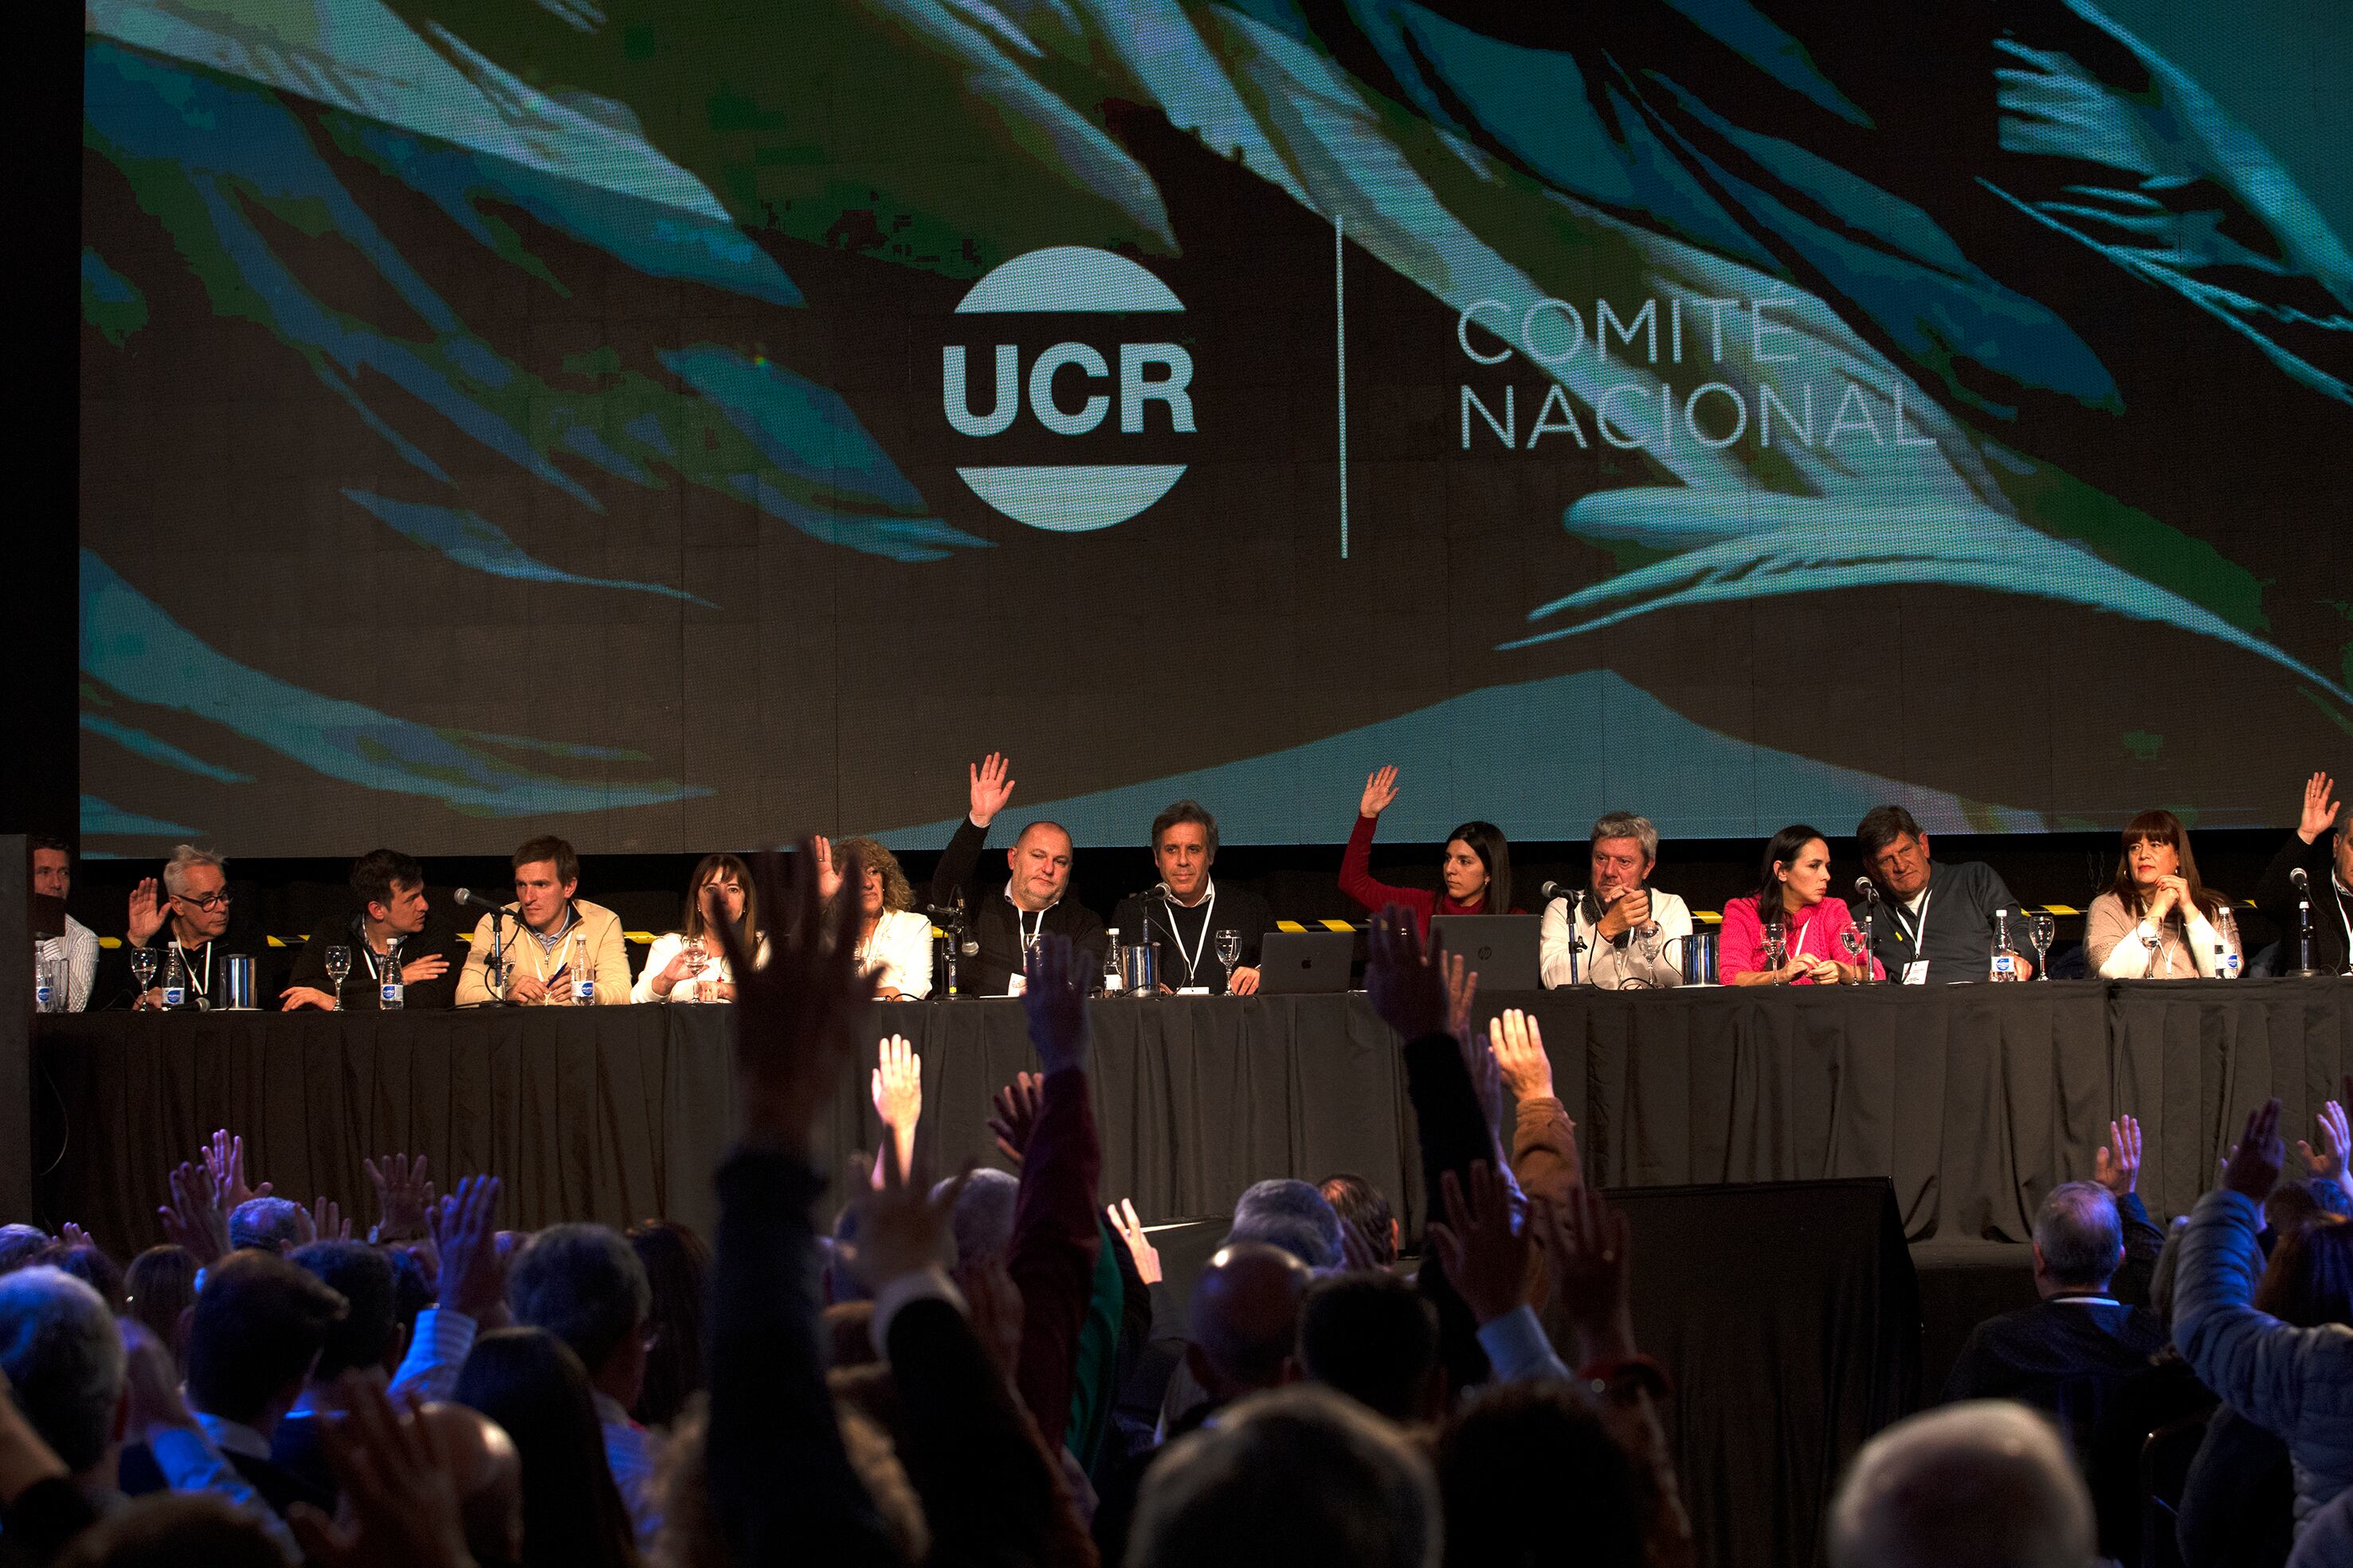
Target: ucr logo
pixel 1071 498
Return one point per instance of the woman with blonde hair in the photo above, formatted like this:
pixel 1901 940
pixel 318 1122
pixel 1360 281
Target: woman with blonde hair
pixel 2157 920
pixel 688 964
pixel 894 938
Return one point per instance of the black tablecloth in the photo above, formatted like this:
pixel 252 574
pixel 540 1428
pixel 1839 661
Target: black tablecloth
pixel 1973 1100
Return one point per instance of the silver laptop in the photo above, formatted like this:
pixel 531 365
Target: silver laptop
pixel 1304 962
pixel 1502 948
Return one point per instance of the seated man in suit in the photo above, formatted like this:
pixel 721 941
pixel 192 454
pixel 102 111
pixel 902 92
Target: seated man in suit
pixel 1186 911
pixel 389 889
pixel 259 1323
pixel 2067 1354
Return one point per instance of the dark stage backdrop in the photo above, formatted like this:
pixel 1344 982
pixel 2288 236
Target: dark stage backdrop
pixel 676 423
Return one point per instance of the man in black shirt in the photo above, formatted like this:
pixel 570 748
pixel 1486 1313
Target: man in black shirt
pixel 1183 915
pixel 189 913
pixel 389 889
pixel 1031 899
pixel 2322 848
pixel 1934 921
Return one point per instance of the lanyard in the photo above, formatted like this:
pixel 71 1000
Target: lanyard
pixel 367 952
pixel 203 988
pixel 1209 917
pixel 1919 931
pixel 548 944
pixel 1797 949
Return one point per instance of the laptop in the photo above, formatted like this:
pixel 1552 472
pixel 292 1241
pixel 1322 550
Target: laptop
pixel 1502 948
pixel 1304 962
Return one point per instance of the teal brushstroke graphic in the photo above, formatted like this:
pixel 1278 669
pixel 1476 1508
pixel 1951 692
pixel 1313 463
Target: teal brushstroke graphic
pixel 98 817
pixel 156 749
pixel 110 301
pixel 474 541
pixel 133 646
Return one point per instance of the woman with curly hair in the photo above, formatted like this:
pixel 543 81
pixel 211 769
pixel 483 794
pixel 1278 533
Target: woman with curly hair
pixel 894 938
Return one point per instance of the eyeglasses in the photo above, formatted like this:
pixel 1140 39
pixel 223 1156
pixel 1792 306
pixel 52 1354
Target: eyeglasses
pixel 208 902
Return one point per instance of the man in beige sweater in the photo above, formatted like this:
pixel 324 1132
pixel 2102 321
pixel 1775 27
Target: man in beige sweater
pixel 553 938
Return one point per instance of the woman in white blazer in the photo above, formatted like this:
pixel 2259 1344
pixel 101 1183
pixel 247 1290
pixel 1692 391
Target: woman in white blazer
pixel 894 938
pixel 688 964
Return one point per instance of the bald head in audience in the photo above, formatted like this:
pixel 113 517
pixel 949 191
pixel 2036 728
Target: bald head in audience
pixel 1985 1483
pixel 1244 1319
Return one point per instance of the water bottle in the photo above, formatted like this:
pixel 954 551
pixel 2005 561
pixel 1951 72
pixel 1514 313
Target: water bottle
pixel 392 992
pixel 2005 957
pixel 176 984
pixel 583 978
pixel 1113 981
pixel 45 997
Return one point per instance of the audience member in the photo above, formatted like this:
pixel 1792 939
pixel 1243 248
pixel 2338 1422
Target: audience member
pixel 894 938
pixel 1360 1205
pixel 64 1364
pixel 175 1530
pixel 268 1225
pixel 21 1246
pixel 1790 903
pixel 1620 933
pixel 1988 1483
pixel 192 911
pixel 159 1290
pixel 555 936
pixel 1526 1440
pixel 366 1337
pixel 385 936
pixel 486 1472
pixel 1964 896
pixel 75 943
pixel 584 1284
pixel 1375 1338
pixel 1006 920
pixel 1475 870
pixel 2155 920
pixel 1242 1324
pixel 1183 914
pixel 687 964
pixel 530 1383
pixel 677 1274
pixel 2322 848
pixel 1284 1212
pixel 259 1324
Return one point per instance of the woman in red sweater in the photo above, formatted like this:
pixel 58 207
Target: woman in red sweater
pixel 1477 870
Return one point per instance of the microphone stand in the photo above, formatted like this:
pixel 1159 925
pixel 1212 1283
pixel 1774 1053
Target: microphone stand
pixel 497 974
pixel 2305 968
pixel 1871 965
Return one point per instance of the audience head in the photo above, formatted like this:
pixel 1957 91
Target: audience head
pixel 1987 1483
pixel 1041 863
pixel 2290 1206
pixel 2156 845
pixel 390 888
pixel 2309 1280
pixel 529 1382
pixel 730 880
pixel 269 1225
pixel 1477 867
pixel 93 1268
pixel 159 1290
pixel 411 1293
pixel 1524 1440
pixel 174 1530
pixel 1244 1317
pixel 1184 847
pixel 1297 1476
pixel 21 1245
pixel 52 865
pixel 1794 872
pixel 2079 1238
pixel 546 874
pixel 1289 1213
pixel 1895 851
pixel 259 1324
pixel 882 884
pixel 64 1359
pixel 583 1284
pixel 196 882
pixel 1373 1337
pixel 1625 851
pixel 486 1472
pixel 983 1221
pixel 1358 1202
pixel 677 1272
pixel 369 1333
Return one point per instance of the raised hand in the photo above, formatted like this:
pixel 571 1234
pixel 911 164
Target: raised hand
pixel 1361 1252
pixel 2327 1163
pixel 327 1222
pixel 404 1196
pixel 1017 1107
pixel 1407 990
pixel 73 1234
pixel 146 912
pixel 1516 1043
pixel 1380 792
pixel 152 1383
pixel 224 1159
pixel 1055 998
pixel 194 1218
pixel 898 1089
pixel 473 1277
pixel 903 1226
pixel 2253 1168
pixel 1485 1259
pixel 1587 1254
pixel 828 879
pixel 1628 911
pixel 1130 1231
pixel 400 1498
pixel 2118 1167
pixel 990 788
pixel 796 1016
pixel 2320 811
pixel 1486 1078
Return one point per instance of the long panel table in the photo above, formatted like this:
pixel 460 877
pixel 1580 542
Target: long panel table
pixel 1973 1100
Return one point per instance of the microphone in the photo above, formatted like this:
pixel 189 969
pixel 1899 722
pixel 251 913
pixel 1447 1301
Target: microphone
pixel 1869 894
pixel 2296 879
pixel 1552 890
pixel 474 900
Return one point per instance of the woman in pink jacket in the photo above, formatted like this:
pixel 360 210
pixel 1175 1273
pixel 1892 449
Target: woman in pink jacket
pixel 1791 893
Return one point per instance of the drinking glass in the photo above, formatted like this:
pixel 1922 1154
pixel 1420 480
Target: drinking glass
pixel 697 961
pixel 1230 953
pixel 1647 941
pixel 339 964
pixel 1857 945
pixel 142 969
pixel 2041 931
pixel 1777 947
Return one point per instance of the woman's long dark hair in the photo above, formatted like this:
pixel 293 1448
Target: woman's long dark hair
pixel 2161 827
pixel 1781 851
pixel 530 1382
pixel 1487 842
pixel 2309 1280
pixel 678 1266
pixel 723 868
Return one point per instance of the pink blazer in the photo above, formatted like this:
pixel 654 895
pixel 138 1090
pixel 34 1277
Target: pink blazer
pixel 1813 931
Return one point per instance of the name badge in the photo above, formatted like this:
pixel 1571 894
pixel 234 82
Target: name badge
pixel 1192 990
pixel 1916 973
pixel 1016 985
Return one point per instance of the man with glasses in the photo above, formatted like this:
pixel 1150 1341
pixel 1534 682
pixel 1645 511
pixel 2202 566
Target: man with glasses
pixel 1933 924
pixel 189 911
pixel 1629 936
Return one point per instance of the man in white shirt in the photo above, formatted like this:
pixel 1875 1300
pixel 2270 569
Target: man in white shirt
pixel 1627 935
pixel 53 879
